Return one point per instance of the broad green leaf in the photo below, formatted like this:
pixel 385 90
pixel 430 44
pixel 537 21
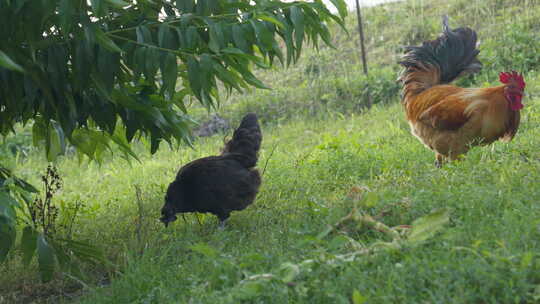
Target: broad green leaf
pixel 247 75
pixel 56 63
pixel 239 38
pixel 277 51
pixel 217 40
pixel 227 76
pixel 143 35
pixel 358 298
pixel 19 5
pixel 206 72
pixel 89 40
pixel 65 12
pixel 81 66
pixel 106 42
pixel 179 99
pixel 264 36
pixel 56 144
pixel 426 226
pixel 341 6
pixel 239 53
pixel 28 244
pixel 297 18
pixel 6 174
pixel 45 254
pixel 251 79
pixel 9 64
pixel 202 8
pixel 139 60
pixel 325 35
pixel 6 200
pixel 65 260
pixel 185 6
pixel 68 119
pixel 192 38
pixel 97 7
pixel 81 139
pixel 271 19
pixel 107 68
pixel 286 34
pixel 151 61
pixel 169 71
pixel 124 145
pixel 39 132
pixel 193 76
pixel 118 3
pixel 213 6
pixel 166 38
pixel 163 30
pixel 62 255
pixel 7 236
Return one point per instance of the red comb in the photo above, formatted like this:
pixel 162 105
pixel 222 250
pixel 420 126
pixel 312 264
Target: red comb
pixel 507 77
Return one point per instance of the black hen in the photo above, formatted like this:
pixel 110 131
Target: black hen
pixel 219 184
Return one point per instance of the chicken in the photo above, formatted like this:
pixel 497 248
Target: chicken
pixel 449 119
pixel 219 184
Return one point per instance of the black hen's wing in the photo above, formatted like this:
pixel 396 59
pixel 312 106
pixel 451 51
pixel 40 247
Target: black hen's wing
pixel 218 184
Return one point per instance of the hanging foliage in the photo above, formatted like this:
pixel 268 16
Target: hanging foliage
pixel 97 72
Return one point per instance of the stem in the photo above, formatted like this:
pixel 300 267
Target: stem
pixel 152 46
pixel 268 158
pixel 361 32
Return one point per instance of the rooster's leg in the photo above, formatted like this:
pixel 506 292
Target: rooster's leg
pixel 439 160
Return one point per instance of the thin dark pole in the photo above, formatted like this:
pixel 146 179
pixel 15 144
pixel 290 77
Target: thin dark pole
pixel 361 32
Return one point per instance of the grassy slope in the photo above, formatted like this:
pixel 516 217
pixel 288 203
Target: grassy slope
pixel 486 254
pixel 493 197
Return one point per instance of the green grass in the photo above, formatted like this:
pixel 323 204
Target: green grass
pixel 486 254
pixel 319 143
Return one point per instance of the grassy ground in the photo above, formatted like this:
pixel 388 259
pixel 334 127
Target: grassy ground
pixel 319 145
pixel 488 252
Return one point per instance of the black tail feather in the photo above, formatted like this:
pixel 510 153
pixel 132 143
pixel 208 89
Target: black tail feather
pixel 453 53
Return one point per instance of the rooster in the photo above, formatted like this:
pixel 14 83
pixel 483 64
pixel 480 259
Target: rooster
pixel 218 184
pixel 449 119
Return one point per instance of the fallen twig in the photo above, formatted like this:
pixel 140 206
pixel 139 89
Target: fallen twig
pixel 266 276
pixel 365 220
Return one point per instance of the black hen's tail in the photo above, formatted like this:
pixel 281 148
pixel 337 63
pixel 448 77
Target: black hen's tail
pixel 246 141
pixel 439 61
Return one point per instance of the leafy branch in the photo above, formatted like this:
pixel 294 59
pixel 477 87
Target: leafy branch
pixel 105 63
